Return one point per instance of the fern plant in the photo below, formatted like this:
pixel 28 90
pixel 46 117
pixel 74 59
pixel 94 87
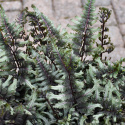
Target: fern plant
pixel 47 78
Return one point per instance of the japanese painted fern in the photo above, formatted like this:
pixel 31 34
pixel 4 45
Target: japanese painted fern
pixel 46 79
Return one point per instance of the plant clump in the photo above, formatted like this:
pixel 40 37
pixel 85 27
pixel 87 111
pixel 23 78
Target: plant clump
pixel 47 78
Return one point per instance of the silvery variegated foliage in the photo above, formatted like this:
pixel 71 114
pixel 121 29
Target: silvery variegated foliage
pixel 52 77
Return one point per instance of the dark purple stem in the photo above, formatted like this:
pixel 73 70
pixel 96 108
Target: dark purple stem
pixel 102 39
pixel 86 26
pixel 68 77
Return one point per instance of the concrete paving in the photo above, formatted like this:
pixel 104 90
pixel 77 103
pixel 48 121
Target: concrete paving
pixel 62 11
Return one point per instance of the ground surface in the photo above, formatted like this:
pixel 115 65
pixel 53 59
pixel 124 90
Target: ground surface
pixel 61 11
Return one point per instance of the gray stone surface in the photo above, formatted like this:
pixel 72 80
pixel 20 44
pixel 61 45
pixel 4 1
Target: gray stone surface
pixel 12 16
pixel 9 0
pixel 122 28
pixel 119 8
pixel 67 8
pixel 116 37
pixel 64 23
pixel 124 40
pixel 12 5
pixel 116 54
pixel 99 2
pixel 44 6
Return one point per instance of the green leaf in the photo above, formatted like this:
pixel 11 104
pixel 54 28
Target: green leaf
pixel 82 120
pixel 13 86
pixel 6 83
pixel 28 83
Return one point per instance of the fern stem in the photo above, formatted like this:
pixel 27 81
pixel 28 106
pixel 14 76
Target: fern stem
pixel 47 26
pixel 54 112
pixel 13 44
pixel 86 26
pixel 10 34
pixel 13 53
pixel 74 99
pixel 61 60
pixel 102 40
pixel 75 102
pixel 54 65
pixel 18 66
pixel 42 68
pixel 8 30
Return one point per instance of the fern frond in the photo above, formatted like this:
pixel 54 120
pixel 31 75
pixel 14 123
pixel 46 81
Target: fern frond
pixel 10 35
pixel 104 39
pixel 71 94
pixel 44 79
pixel 12 31
pixel 11 111
pixel 6 56
pixel 83 39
